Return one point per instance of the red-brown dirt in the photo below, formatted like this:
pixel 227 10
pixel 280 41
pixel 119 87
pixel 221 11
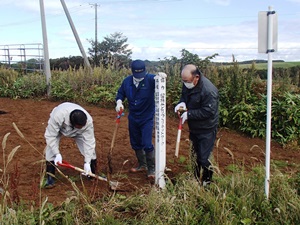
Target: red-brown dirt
pixel 26 168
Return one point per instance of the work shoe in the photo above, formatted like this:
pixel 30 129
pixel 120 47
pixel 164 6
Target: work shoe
pixel 138 169
pixel 142 165
pixel 93 168
pixel 206 183
pixel 50 183
pixel 207 176
pixel 50 170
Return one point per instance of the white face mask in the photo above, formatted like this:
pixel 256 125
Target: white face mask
pixel 138 79
pixel 189 85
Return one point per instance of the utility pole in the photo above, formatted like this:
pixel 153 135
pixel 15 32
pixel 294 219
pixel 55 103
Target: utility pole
pixel 86 61
pixel 45 48
pixel 96 39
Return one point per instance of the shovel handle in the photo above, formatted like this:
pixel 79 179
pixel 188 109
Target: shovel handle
pixel 68 165
pixel 178 134
pixel 113 184
pixel 119 115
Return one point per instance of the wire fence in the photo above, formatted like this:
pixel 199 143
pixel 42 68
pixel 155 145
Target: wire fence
pixel 24 57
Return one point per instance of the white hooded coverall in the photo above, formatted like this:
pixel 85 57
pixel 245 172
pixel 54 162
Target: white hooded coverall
pixel 59 124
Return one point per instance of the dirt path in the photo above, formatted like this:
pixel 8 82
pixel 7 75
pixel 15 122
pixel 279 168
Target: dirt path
pixel 26 168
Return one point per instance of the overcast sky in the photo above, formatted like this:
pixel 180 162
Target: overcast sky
pixel 154 28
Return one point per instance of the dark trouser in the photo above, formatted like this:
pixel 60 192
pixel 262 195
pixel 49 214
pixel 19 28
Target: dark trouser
pixel 140 133
pixel 203 145
pixel 94 166
pixel 50 170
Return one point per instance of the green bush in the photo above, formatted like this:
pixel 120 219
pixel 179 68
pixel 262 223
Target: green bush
pixel 242 93
pixel 7 79
pixel 24 86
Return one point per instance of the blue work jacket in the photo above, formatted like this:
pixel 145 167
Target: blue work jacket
pixel 140 99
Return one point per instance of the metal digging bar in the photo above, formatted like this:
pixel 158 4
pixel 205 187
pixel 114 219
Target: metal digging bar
pixel 114 185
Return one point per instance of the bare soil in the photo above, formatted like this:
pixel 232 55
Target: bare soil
pixel 26 169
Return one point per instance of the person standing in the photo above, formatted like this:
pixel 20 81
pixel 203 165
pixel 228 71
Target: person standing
pixel 70 120
pixel 138 88
pixel 199 103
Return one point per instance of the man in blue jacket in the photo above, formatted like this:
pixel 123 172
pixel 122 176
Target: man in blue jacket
pixel 139 89
pixel 200 101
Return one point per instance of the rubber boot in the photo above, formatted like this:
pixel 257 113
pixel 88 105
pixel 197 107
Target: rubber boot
pixel 50 170
pixel 197 171
pixel 142 165
pixel 150 158
pixel 94 166
pixel 207 176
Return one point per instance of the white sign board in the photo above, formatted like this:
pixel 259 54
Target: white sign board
pixel 263 32
pixel 160 131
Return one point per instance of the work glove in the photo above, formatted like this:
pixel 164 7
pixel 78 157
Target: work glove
pixel 87 169
pixel 162 74
pixel 184 117
pixel 180 105
pixel 58 159
pixel 119 105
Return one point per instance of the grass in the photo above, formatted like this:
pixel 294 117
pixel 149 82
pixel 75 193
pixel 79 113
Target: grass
pixel 234 198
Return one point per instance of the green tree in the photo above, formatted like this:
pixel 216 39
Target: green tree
pixel 112 52
pixel 64 63
pixel 190 58
pixel 173 65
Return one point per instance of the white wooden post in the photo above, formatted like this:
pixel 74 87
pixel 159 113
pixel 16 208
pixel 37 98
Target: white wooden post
pixel 160 131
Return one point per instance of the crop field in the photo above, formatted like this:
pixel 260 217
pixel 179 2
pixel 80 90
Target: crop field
pixel 30 116
pixel 260 66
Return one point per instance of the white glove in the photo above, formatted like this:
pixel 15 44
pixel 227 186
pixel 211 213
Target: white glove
pixel 58 159
pixel 87 169
pixel 184 117
pixel 119 105
pixel 162 74
pixel 180 105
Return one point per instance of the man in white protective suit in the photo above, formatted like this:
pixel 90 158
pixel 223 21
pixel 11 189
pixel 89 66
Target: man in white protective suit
pixel 70 120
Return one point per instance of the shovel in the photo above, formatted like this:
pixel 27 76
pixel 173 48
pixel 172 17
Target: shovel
pixel 120 113
pixel 114 185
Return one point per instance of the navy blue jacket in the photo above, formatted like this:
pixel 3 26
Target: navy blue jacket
pixel 140 99
pixel 202 103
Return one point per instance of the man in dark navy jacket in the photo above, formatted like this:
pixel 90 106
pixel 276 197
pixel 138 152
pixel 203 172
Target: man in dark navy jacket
pixel 139 89
pixel 200 102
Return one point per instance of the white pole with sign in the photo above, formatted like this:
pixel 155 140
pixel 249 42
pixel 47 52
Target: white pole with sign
pixel 267 43
pixel 160 131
